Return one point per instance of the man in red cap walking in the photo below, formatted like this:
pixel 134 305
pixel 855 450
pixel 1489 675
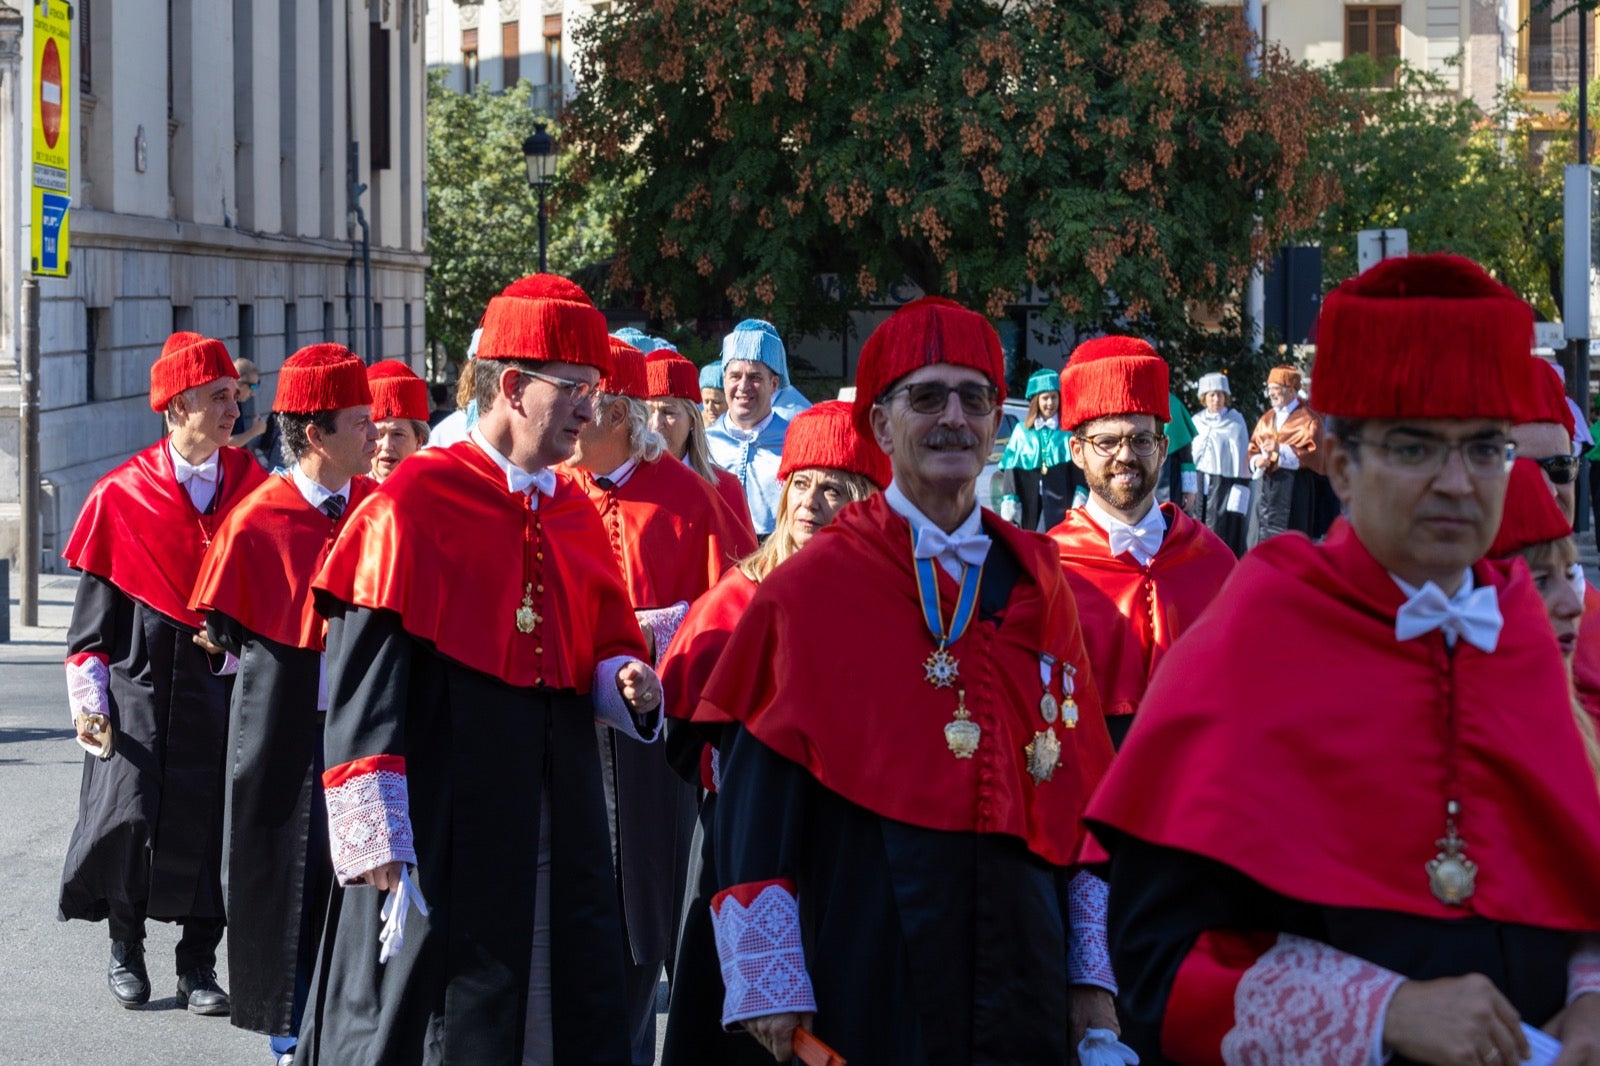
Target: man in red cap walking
pixel 672 539
pixel 1140 573
pixel 477 628
pixel 1394 857
pixel 255 592
pixel 901 805
pixel 148 701
pixel 400 411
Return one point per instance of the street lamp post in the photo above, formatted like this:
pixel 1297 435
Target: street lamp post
pixel 539 151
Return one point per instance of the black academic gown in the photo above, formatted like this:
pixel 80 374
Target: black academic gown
pixel 924 947
pixel 1300 499
pixel 478 752
pixel 276 869
pixel 149 830
pixel 1162 899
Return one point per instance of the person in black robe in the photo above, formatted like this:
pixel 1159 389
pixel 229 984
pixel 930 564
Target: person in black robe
pixel 255 590
pixel 903 883
pixel 148 699
pixel 477 628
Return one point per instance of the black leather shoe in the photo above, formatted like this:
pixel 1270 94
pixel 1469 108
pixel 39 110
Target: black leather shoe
pixel 198 990
pixel 128 979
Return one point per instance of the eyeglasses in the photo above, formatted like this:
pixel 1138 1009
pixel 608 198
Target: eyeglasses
pixel 1484 457
pixel 576 391
pixel 250 385
pixel 1560 469
pixel 1108 445
pixel 931 397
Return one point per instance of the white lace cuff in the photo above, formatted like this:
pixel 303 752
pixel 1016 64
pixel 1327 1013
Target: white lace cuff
pixel 229 667
pixel 758 945
pixel 369 815
pixel 88 684
pixel 1088 953
pixel 1190 480
pixel 1304 1003
pixel 663 623
pixel 610 709
pixel 1583 971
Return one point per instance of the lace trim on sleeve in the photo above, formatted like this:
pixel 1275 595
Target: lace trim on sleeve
pixel 88 680
pixel 1304 1003
pixel 1088 953
pixel 369 823
pixel 663 623
pixel 758 944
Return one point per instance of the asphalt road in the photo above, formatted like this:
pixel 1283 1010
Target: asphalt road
pixel 55 1008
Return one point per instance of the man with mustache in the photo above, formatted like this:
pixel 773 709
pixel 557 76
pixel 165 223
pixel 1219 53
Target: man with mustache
pixel 1393 857
pixel 900 849
pixel 1141 573
pixel 148 696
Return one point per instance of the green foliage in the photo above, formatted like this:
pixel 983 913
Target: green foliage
pixel 795 159
pixel 483 219
pixel 1418 157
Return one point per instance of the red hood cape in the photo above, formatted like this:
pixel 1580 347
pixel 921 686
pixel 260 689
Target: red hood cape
pixel 698 644
pixel 670 534
pixel 732 494
pixel 1330 788
pixel 826 669
pixel 140 531
pixel 1131 614
pixel 258 570
pixel 1586 657
pixel 442 544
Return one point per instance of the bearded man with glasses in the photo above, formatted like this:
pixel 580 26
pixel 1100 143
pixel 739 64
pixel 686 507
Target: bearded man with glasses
pixel 1141 573
pixel 917 732
pixel 477 629
pixel 1392 857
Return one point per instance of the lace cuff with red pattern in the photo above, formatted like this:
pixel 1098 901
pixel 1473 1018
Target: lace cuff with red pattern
pixel 662 622
pixel 757 927
pixel 1303 1003
pixel 1583 971
pixel 369 816
pixel 1088 954
pixel 88 685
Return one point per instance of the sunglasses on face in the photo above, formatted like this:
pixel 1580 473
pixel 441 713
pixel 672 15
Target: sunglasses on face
pixel 931 397
pixel 1560 469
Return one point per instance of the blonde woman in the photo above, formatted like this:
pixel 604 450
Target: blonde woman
pixel 673 388
pixel 826 466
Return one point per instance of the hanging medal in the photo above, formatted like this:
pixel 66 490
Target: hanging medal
pixel 1069 706
pixel 1049 708
pixel 940 668
pixel 1043 752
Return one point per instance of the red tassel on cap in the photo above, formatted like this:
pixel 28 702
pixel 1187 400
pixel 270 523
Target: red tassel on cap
pixel 627 374
pixel 1425 336
pixel 669 374
pixel 1532 515
pixel 1114 376
pixel 824 435
pixel 186 360
pixel 397 392
pixel 923 333
pixel 543 318
pixel 321 377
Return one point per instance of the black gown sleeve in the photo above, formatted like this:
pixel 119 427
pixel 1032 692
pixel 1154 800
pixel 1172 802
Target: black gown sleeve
pixel 225 633
pixel 369 666
pixel 97 610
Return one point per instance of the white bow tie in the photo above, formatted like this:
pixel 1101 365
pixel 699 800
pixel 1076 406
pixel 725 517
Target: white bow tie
pixel 970 548
pixel 187 472
pixel 1128 538
pixel 1476 620
pixel 521 481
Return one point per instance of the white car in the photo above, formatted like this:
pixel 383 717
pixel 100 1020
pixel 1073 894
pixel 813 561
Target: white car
pixel 990 483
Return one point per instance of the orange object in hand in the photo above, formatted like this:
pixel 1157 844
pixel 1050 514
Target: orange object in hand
pixel 813 1052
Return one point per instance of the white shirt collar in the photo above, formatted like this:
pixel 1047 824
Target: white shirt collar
pixel 1281 414
pixel 179 463
pixel 1141 539
pixel 316 494
pixel 970 530
pixel 751 433
pixel 619 477
pixel 1412 591
pixel 517 479
pixel 1048 423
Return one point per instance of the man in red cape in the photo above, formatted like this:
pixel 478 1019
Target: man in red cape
pixel 148 842
pixel 1393 857
pixel 1140 573
pixel 477 628
pixel 672 539
pixel 900 811
pixel 255 592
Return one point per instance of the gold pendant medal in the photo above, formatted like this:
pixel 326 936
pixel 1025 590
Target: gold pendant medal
pixel 1044 754
pixel 1451 875
pixel 961 732
pixel 1069 706
pixel 526 618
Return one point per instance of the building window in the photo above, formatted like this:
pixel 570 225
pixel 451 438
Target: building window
pixel 553 75
pixel 182 318
pixel 329 327
pixel 291 329
pixel 510 53
pixel 378 93
pixel 406 345
pixel 85 13
pixel 1552 50
pixel 1375 32
pixel 96 336
pixel 377 332
pixel 469 58
pixel 247 332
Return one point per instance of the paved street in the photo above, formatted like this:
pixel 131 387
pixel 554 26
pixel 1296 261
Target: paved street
pixel 56 1009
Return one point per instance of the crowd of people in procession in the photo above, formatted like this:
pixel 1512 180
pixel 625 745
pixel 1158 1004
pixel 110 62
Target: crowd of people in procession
pixel 465 735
